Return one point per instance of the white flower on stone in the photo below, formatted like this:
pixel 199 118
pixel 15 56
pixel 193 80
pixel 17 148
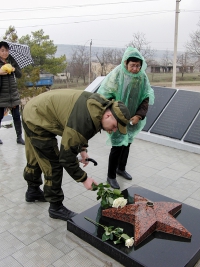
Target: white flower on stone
pixel 129 242
pixel 119 202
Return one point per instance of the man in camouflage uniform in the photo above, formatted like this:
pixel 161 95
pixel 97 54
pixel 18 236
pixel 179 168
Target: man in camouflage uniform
pixel 76 116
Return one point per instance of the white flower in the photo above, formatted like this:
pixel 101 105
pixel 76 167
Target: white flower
pixel 129 242
pixel 119 202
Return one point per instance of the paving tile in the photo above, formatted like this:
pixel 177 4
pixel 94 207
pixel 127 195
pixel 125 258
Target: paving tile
pixel 172 192
pixel 192 202
pixel 9 261
pixel 197 169
pixel 6 204
pixel 30 230
pixel 193 175
pixel 185 184
pixel 30 238
pixel 170 173
pixel 196 194
pixel 9 244
pixel 7 222
pixel 39 253
pixel 182 167
pixel 156 164
pixel 157 181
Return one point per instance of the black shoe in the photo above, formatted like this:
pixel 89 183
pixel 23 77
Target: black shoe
pixel 34 193
pixel 1 143
pixel 113 183
pixel 61 213
pixel 20 140
pixel 125 174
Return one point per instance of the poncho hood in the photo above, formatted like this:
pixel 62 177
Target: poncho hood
pixel 133 52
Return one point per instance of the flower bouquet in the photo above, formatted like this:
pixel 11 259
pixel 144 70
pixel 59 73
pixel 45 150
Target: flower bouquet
pixel 111 198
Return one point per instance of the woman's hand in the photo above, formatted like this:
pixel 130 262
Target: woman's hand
pixel 135 119
pixel 3 72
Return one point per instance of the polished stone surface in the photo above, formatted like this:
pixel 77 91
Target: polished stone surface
pixel 193 135
pixel 162 97
pixel 148 217
pixel 178 115
pixel 159 249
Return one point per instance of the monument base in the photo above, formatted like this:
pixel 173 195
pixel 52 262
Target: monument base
pixel 159 249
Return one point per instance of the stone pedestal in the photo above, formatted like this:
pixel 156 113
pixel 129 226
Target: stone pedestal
pixel 158 250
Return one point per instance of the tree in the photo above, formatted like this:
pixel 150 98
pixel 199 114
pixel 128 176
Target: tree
pixel 185 63
pixel 79 64
pixel 139 41
pixel 193 47
pixel 43 53
pixel 109 58
pixel 167 60
pixel 11 35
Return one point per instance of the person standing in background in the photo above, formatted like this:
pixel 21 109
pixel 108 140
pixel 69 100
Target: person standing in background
pixel 9 95
pixel 128 83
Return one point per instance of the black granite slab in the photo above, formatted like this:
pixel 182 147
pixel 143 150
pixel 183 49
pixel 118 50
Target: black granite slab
pixel 193 135
pixel 158 250
pixel 162 97
pixel 178 115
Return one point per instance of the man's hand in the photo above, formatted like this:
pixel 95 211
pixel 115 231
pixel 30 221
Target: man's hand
pixel 84 157
pixel 88 183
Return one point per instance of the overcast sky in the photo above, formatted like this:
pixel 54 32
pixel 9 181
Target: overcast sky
pixel 109 23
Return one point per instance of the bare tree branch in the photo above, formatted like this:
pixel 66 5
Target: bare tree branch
pixel 139 41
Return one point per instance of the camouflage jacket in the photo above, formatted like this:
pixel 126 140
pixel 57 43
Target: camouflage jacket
pixel 73 114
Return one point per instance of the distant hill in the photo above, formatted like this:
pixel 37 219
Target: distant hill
pixel 64 49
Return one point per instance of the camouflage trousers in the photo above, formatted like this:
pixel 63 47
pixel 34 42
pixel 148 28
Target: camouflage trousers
pixel 42 156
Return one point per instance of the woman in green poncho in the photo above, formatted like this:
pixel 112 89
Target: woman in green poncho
pixel 129 83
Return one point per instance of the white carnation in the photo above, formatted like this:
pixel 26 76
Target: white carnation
pixel 129 242
pixel 119 202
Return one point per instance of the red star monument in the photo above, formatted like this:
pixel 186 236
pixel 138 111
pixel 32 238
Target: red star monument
pixel 148 217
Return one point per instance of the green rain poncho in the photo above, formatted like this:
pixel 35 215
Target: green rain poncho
pixel 132 89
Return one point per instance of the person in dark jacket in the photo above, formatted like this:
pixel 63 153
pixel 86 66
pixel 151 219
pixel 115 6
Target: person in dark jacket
pixel 128 83
pixel 9 95
pixel 76 116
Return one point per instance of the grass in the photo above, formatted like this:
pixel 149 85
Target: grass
pixel 80 86
pixel 156 79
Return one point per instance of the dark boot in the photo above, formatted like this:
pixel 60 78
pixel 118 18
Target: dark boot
pixel 34 193
pixel 58 211
pixel 124 174
pixel 113 183
pixel 18 129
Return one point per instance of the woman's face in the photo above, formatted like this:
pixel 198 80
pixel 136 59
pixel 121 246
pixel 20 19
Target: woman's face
pixel 4 52
pixel 133 67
